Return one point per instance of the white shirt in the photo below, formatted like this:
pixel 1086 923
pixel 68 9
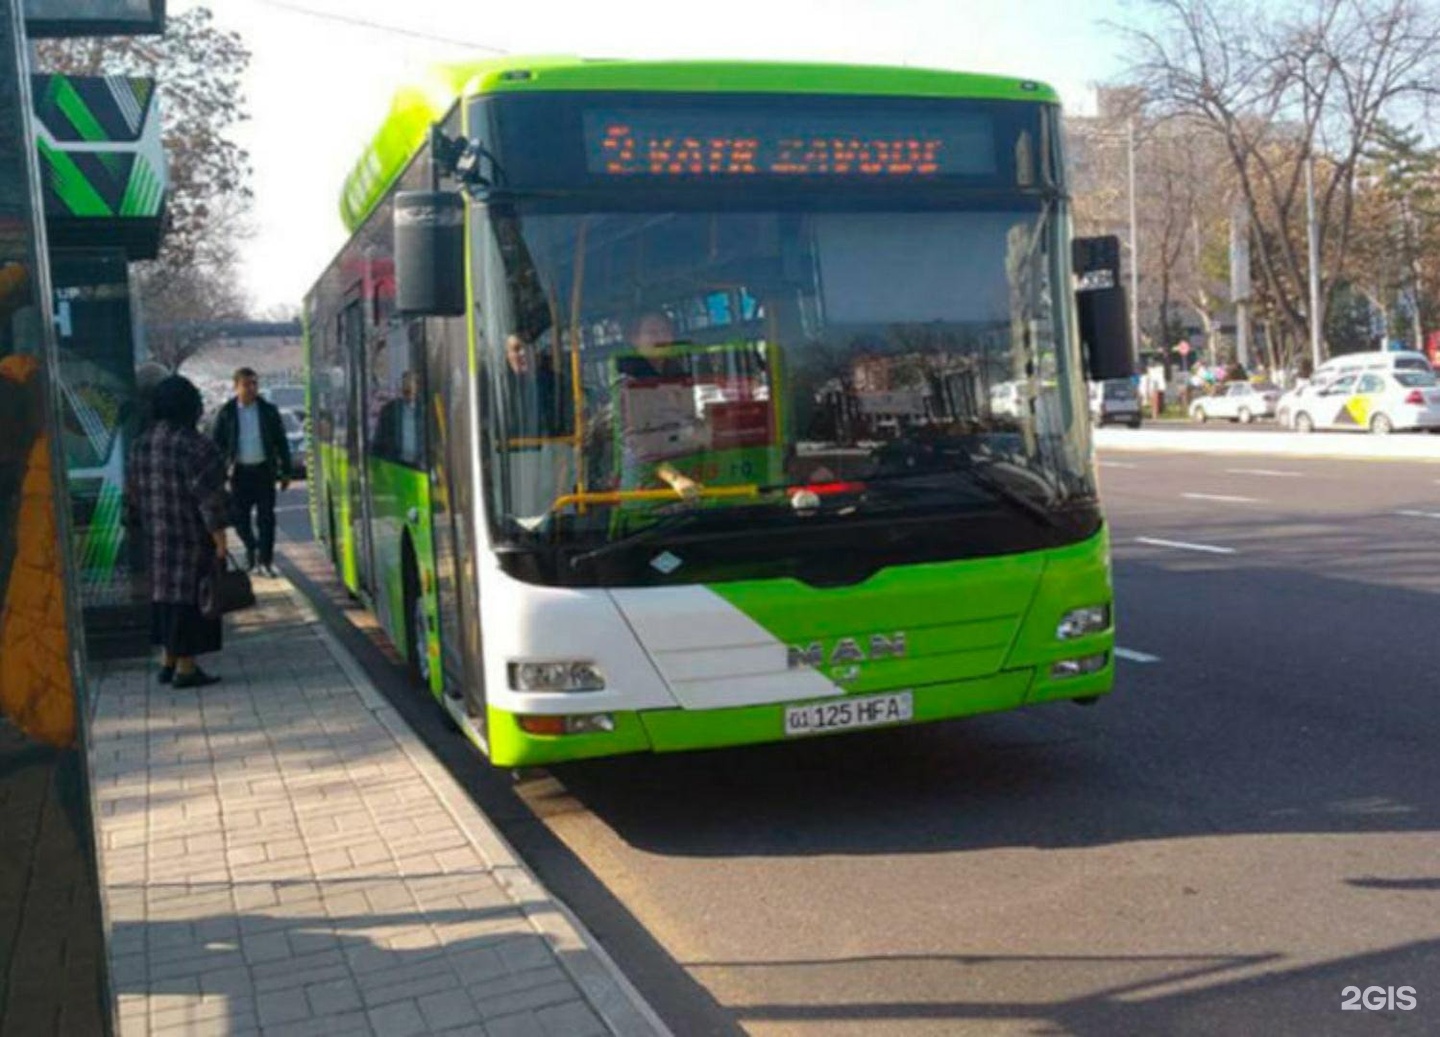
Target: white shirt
pixel 251 447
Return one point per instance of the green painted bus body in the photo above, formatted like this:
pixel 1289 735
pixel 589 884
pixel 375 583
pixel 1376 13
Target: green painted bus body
pixel 400 509
pixel 953 669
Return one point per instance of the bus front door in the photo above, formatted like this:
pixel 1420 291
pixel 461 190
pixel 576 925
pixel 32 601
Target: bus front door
pixel 455 516
pixel 358 484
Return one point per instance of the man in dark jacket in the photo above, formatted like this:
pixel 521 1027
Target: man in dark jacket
pixel 251 435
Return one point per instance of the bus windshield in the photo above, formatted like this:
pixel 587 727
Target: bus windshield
pixel 772 378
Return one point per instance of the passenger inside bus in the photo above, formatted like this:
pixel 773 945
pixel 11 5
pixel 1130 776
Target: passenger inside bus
pixel 397 431
pixel 538 405
pixel 652 392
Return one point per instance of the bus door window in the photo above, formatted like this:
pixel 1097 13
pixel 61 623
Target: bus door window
pixel 525 370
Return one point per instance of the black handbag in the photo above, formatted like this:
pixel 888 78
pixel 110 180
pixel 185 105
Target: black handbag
pixel 225 588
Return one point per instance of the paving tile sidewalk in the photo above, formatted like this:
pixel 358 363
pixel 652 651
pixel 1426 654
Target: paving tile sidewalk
pixel 281 855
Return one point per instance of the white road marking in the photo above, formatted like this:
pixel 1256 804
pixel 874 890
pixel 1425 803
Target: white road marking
pixel 1266 471
pixel 1136 657
pixel 1118 464
pixel 1183 546
pixel 1420 514
pixel 1220 497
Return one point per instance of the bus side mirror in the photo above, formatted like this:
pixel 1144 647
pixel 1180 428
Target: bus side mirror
pixel 1105 332
pixel 430 253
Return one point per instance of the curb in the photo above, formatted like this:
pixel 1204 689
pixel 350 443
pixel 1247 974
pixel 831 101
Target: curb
pixel 1335 446
pixel 613 997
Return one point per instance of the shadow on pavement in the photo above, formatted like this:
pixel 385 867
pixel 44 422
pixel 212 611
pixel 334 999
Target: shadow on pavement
pixel 1269 998
pixel 289 972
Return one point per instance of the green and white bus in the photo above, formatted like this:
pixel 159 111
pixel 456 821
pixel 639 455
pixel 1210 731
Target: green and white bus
pixel 652 402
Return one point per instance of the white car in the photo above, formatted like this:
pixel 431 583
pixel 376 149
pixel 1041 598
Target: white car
pixel 1392 361
pixel 1238 401
pixel 1382 402
pixel 1289 403
pixel 1007 400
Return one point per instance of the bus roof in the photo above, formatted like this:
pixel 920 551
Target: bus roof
pixel 418 105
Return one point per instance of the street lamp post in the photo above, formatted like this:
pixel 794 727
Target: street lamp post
pixel 1412 251
pixel 1312 231
pixel 1312 235
pixel 1134 250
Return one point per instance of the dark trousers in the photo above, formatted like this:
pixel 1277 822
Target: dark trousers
pixel 252 488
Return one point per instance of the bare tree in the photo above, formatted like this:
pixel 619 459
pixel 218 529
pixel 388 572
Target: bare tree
pixel 280 313
pixel 1182 188
pixel 181 309
pixel 1311 77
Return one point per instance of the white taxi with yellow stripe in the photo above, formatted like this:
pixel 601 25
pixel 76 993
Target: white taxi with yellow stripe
pixel 1374 401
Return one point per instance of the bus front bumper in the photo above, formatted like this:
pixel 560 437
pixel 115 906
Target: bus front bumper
pixel 675 730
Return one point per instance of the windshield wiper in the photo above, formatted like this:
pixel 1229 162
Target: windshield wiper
pixel 997 490
pixel 667 524
pixel 1020 501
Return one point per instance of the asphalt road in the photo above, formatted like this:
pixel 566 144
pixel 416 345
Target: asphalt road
pixel 1247 827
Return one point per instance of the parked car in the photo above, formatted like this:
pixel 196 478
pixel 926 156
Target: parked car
pixel 1382 402
pixel 1394 360
pixel 1007 400
pixel 1115 400
pixel 1237 401
pixel 299 443
pixel 1289 402
pixel 287 397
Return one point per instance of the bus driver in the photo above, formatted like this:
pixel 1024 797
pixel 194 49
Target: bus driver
pixel 646 404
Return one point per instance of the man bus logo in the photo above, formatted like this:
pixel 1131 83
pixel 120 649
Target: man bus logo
pixel 846 650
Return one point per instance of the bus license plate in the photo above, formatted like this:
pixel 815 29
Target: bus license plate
pixel 846 714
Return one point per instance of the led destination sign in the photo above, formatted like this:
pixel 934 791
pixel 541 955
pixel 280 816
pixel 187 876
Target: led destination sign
pixel 667 143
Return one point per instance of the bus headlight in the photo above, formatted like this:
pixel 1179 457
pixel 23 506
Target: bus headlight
pixel 556 676
pixel 1080 667
pixel 1092 619
pixel 584 724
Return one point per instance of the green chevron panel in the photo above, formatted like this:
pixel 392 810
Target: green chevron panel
pixel 102 161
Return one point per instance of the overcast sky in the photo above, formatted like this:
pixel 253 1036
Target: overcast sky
pixel 318 88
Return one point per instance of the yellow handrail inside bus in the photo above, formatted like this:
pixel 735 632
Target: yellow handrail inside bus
pixel 577 397
pixel 620 496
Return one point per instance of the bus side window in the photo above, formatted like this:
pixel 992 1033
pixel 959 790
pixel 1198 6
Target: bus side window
pixel 397 387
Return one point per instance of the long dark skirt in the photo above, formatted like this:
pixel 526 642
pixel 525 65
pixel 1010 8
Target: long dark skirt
pixel 182 631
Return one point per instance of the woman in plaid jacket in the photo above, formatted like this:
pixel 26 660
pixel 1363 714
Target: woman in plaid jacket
pixel 175 500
